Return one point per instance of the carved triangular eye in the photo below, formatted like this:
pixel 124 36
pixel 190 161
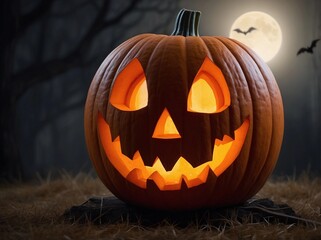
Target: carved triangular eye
pixel 129 92
pixel 209 92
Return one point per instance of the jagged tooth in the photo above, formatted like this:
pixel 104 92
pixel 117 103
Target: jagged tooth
pixel 157 179
pixel 116 143
pixel 151 185
pixel 138 160
pixel 127 162
pixel 218 142
pixel 211 178
pixel 227 139
pixel 139 163
pixel 197 180
pixel 136 155
pixel 135 176
pixel 204 174
pixel 158 165
pixel 148 158
pixel 184 184
pixel 163 184
pixel 173 186
pixel 117 139
pixel 182 166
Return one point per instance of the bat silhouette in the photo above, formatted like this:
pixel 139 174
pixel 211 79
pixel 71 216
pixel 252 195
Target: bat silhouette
pixel 308 49
pixel 244 32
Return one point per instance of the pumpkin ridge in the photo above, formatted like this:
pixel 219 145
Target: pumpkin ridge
pixel 243 78
pixel 239 62
pixel 153 53
pixel 265 160
pixel 151 38
pixel 94 88
pixel 161 52
pixel 209 54
pixel 264 78
pixel 268 83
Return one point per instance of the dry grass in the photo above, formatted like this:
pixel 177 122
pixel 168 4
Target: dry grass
pixel 33 211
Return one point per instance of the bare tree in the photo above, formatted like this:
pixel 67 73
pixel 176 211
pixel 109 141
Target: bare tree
pixel 16 78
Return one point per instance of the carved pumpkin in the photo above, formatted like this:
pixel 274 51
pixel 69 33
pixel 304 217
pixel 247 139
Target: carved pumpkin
pixel 183 121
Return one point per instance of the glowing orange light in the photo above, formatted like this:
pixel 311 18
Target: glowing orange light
pixel 165 127
pixel 202 97
pixel 134 170
pixel 129 91
pixel 209 92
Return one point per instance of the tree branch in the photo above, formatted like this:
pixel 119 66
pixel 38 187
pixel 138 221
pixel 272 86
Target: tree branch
pixel 44 71
pixel 100 25
pixel 71 10
pixel 40 10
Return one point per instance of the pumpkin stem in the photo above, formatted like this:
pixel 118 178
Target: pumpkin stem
pixel 187 22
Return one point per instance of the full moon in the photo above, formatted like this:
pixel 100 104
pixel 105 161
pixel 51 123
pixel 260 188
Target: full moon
pixel 260 32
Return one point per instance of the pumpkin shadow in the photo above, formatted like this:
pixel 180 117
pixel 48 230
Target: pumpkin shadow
pixel 111 210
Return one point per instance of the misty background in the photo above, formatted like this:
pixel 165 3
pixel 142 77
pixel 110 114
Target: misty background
pixel 50 51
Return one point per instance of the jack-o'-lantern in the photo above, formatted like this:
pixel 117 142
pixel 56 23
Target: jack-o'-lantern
pixel 183 121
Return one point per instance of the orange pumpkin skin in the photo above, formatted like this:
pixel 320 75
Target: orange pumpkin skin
pixel 170 64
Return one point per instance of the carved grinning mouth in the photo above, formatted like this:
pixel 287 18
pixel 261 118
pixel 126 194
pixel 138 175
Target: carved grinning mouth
pixel 134 170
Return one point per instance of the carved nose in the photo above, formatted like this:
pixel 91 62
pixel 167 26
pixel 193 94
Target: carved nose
pixel 165 127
